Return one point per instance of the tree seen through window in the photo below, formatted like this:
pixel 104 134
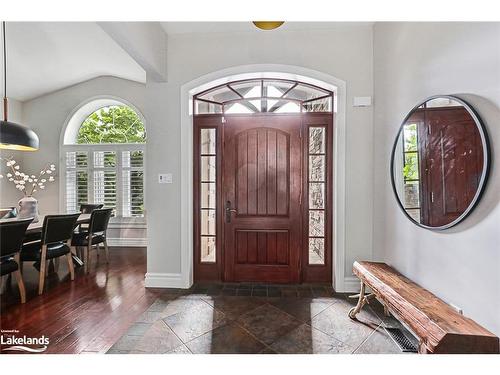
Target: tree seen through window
pixel 113 124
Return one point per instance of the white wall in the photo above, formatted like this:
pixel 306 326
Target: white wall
pixel 9 195
pixel 412 62
pixel 344 52
pixel 47 116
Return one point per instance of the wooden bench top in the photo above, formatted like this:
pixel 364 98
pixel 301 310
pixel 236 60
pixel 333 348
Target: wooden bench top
pixel 439 327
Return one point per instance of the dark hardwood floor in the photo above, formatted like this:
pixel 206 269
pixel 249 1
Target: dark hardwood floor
pixel 87 315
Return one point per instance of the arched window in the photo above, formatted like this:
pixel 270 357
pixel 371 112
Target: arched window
pixel 104 146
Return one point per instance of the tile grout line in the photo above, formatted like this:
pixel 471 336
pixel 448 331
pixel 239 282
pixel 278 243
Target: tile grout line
pixel 175 334
pixel 266 346
pixel 366 339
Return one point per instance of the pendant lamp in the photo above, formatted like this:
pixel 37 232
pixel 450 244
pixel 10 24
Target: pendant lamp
pixel 268 25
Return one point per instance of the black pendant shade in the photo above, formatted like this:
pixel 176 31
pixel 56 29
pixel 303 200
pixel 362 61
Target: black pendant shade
pixel 17 137
pixel 14 136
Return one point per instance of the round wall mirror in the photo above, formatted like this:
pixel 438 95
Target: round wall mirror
pixel 440 162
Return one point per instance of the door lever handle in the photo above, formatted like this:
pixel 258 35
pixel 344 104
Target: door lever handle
pixel 228 211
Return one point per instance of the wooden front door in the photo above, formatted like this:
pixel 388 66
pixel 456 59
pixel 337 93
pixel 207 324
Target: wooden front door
pixel 261 198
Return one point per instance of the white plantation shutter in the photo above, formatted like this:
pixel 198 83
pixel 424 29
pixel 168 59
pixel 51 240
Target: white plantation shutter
pixel 105 191
pixel 105 188
pixel 133 183
pixel 112 175
pixel 76 180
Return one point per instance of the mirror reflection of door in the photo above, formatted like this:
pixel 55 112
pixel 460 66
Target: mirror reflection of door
pixel 441 163
pixel 263 182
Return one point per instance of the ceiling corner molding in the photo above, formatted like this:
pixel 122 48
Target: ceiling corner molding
pixel 145 42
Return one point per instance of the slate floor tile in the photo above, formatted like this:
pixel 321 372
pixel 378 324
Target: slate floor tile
pixel 191 323
pixel 290 293
pixel 304 309
pixel 379 342
pixel 126 343
pixel 268 350
pixel 273 292
pixel 243 292
pixel 268 323
pixel 180 350
pixel 181 304
pixel 138 329
pixel 157 345
pixel 335 322
pixel 115 351
pixel 307 340
pixel 228 339
pixel 233 306
pixel 259 292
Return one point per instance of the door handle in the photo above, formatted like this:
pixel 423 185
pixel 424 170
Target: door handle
pixel 228 211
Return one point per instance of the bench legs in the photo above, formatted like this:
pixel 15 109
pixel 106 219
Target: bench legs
pixel 362 300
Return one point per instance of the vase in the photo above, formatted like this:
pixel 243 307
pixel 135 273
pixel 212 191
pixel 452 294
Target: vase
pixel 28 207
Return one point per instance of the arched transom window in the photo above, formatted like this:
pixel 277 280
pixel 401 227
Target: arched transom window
pixel 105 160
pixel 263 95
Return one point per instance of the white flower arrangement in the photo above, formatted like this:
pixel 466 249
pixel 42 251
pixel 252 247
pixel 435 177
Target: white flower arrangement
pixel 24 182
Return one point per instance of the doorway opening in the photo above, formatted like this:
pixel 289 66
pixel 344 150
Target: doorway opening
pixel 262 164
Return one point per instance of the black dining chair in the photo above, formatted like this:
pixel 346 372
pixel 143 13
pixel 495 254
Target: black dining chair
pixel 57 231
pixel 12 233
pixel 87 208
pixel 95 236
pixel 8 213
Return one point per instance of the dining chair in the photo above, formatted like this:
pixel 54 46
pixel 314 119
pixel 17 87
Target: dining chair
pixel 87 208
pixel 96 235
pixel 12 233
pixel 57 231
pixel 8 213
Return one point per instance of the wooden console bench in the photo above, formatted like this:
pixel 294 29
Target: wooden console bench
pixel 439 328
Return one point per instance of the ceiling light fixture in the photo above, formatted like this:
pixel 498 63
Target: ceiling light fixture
pixel 268 25
pixel 14 136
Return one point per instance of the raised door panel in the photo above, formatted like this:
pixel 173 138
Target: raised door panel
pixel 262 173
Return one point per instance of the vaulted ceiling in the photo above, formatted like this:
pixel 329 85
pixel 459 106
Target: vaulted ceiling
pixel 47 56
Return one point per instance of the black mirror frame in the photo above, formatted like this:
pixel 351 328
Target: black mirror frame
pixel 485 142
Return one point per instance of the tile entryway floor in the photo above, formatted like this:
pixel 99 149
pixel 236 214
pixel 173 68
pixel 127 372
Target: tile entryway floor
pixel 246 318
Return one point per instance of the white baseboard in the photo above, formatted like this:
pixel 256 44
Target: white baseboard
pixel 127 242
pixel 164 280
pixel 351 284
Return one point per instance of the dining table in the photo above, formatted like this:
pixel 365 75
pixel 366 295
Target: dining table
pixel 35 228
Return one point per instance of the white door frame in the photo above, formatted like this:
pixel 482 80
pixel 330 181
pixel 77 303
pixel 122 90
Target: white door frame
pixel 256 71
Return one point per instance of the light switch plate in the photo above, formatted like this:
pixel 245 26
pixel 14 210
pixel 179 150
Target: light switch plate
pixel 362 101
pixel 165 178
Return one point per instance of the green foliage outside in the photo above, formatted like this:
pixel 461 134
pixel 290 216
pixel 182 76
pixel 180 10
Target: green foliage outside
pixel 114 124
pixel 410 169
